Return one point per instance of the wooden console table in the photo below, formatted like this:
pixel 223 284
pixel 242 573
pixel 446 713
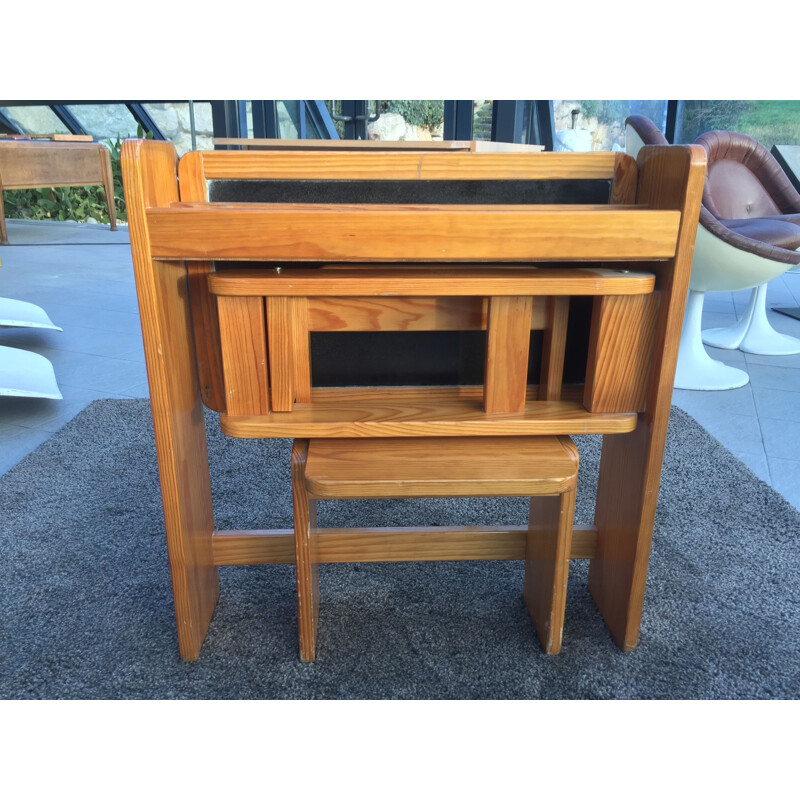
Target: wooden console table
pixel 41 164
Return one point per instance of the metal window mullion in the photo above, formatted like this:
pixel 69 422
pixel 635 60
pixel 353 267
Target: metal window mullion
pixel 144 119
pixel 672 121
pixel 10 126
pixel 69 119
pixel 321 119
pixel 506 121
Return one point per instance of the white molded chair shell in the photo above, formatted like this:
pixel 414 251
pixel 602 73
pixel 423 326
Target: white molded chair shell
pixel 728 262
pixel 25 374
pixel 20 314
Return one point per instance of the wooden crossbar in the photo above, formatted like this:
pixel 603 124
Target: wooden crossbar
pixel 436 281
pixel 345 545
pixel 260 232
pixel 251 165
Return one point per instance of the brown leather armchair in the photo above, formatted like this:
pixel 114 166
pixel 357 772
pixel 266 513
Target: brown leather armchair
pixel 749 233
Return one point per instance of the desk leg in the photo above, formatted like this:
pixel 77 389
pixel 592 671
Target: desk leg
pixel 182 450
pixel 108 184
pixel 627 492
pixel 149 169
pixel 3 232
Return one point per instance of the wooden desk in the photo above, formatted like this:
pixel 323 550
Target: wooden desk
pixel 41 164
pixel 648 224
pixel 343 145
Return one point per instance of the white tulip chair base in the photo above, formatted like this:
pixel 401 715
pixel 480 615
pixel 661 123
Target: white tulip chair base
pixel 696 369
pixel 753 332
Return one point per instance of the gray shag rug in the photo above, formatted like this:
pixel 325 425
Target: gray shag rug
pixel 86 606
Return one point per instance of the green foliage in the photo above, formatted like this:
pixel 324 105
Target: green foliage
pixel 79 203
pixel 768 121
pixel 605 111
pixel 701 116
pixel 425 113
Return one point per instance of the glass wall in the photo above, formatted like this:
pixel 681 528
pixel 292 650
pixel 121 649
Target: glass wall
pixel 174 120
pixel 35 119
pixel 768 121
pixel 586 125
pixel 407 120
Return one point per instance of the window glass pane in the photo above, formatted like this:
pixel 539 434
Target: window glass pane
pixel 407 120
pixel 482 120
pixel 770 122
pixel 175 122
pixel 35 119
pixel 288 119
pixel 311 128
pixel 106 121
pixel 585 125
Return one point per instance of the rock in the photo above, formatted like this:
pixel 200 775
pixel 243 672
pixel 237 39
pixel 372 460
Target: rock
pixel 388 127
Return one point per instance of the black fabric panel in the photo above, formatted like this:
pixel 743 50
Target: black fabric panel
pixel 488 192
pixel 421 358
pixel 424 358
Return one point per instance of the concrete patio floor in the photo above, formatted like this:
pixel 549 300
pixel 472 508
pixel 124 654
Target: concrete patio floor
pixel 82 276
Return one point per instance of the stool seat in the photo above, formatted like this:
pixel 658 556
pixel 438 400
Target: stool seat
pixel 544 468
pixel 444 467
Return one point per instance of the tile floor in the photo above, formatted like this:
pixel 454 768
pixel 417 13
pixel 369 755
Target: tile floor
pixel 82 276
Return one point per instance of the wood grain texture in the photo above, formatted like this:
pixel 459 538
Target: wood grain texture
pixel 620 352
pixel 408 313
pixel 107 177
pixel 393 281
pixel 630 466
pixel 301 348
pixel 31 165
pixel 243 343
pixel 507 345
pixel 280 332
pixel 549 542
pixel 409 166
pixel 305 551
pixel 460 467
pixel 624 181
pixel 346 545
pixel 258 232
pixel 194 189
pixel 554 349
pixel 384 413
pixel 149 176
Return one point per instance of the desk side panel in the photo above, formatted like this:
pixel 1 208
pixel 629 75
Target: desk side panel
pixel 149 174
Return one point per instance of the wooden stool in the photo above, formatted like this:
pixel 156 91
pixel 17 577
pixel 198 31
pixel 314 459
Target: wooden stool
pixel 542 467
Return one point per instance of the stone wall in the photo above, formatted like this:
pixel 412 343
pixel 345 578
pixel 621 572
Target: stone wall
pixel 391 127
pixel 174 122
pixel 111 120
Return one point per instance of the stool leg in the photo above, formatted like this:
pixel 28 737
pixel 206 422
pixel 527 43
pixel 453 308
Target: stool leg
pixel 547 565
pixel 305 519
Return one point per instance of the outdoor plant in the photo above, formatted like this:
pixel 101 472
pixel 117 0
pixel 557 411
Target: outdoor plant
pixel 425 113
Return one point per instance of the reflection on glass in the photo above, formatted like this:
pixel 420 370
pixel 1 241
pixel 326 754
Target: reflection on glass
pixel 288 119
pixel 770 122
pixel 482 120
pixel 35 119
pixel 175 122
pixel 105 121
pixel 407 120
pixel 585 125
